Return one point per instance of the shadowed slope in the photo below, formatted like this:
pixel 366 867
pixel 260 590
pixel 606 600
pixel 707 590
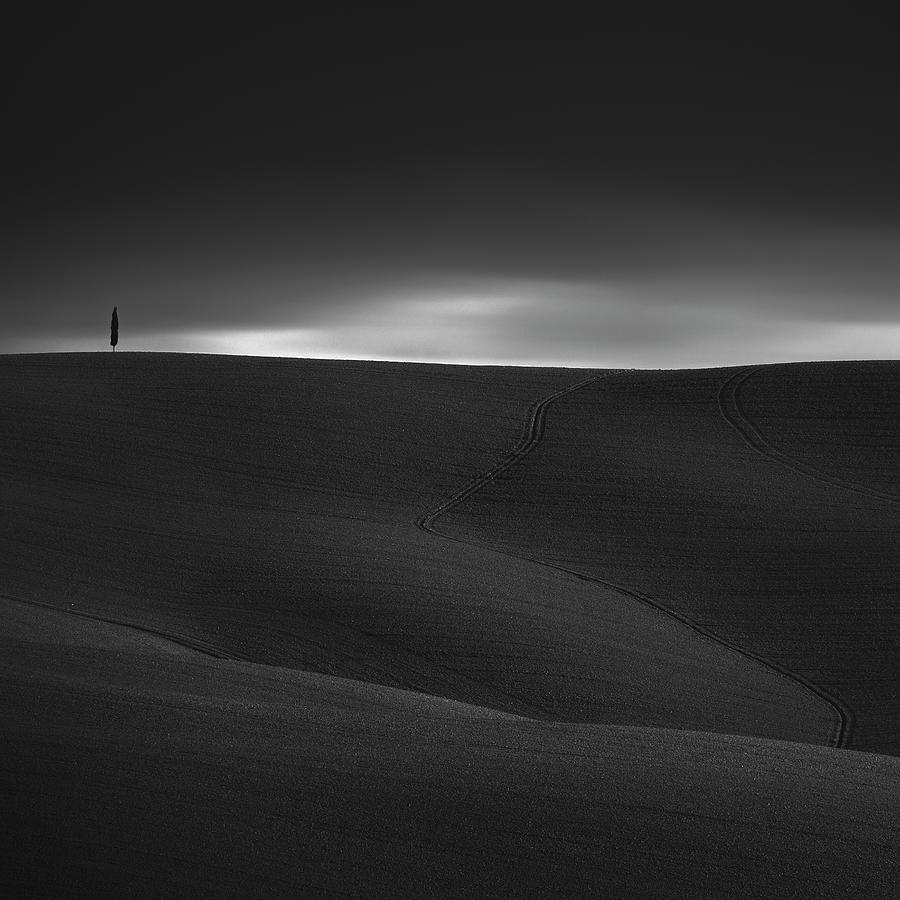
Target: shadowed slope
pixel 641 480
pixel 265 510
pixel 134 767
pixel 838 423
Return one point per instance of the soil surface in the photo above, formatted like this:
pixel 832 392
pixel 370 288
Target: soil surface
pixel 283 627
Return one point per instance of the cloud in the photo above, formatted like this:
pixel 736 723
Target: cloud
pixel 541 273
pixel 533 323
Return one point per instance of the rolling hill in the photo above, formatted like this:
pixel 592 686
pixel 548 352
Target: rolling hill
pixel 761 504
pixel 352 627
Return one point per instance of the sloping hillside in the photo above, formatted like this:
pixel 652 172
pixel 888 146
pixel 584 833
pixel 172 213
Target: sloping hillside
pixel 133 767
pixel 266 510
pixel 760 504
pixel 283 627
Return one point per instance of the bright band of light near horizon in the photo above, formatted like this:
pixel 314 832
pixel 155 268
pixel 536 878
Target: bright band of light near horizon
pixel 639 198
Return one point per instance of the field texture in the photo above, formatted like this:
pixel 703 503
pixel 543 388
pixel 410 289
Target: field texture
pixel 761 504
pixel 355 628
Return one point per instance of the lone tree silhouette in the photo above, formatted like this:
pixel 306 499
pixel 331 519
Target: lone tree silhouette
pixel 114 329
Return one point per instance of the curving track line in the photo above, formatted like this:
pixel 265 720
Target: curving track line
pixel 729 400
pixel 534 430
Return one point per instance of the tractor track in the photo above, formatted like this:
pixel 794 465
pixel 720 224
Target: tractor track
pixel 729 400
pixel 534 431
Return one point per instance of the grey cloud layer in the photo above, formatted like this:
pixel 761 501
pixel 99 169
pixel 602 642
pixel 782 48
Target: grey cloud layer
pixel 592 267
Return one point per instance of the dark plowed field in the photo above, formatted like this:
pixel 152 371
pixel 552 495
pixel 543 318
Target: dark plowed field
pixel 285 627
pixel 644 480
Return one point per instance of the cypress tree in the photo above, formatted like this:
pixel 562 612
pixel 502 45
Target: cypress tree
pixel 114 329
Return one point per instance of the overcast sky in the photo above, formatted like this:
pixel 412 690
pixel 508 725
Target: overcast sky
pixel 591 193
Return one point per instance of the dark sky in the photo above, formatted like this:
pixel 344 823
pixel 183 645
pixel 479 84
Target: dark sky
pixel 659 191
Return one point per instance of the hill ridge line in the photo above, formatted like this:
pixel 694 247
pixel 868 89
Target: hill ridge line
pixel 178 639
pixel 533 432
pixel 729 400
pixel 526 710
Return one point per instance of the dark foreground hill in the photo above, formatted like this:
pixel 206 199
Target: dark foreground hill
pixel 134 767
pixel 253 647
